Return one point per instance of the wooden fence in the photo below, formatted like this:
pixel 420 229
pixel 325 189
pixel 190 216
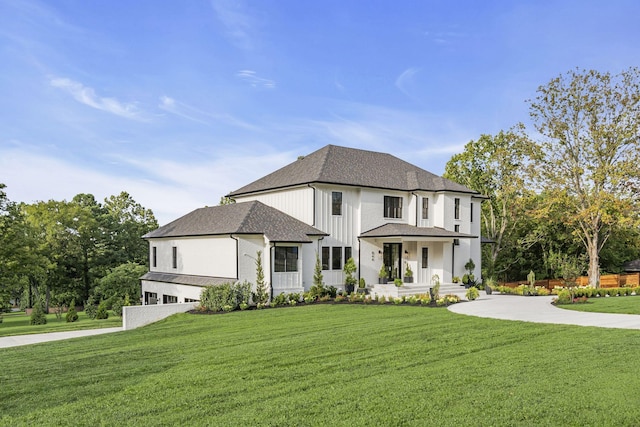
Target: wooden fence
pixel 630 280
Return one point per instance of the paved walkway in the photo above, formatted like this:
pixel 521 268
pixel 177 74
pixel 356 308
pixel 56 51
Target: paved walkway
pixel 540 310
pixel 19 340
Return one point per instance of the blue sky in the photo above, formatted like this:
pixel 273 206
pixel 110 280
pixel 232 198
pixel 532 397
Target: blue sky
pixel 180 102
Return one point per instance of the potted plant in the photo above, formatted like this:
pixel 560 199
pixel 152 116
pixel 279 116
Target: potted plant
pixel 382 275
pixel 350 281
pixel 408 273
pixel 362 286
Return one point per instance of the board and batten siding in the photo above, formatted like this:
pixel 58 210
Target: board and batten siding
pixel 296 202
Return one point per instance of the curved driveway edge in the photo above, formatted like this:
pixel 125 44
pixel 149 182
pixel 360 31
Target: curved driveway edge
pixel 540 310
pixel 19 340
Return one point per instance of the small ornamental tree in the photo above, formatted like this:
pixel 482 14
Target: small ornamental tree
pixel 261 295
pixel 38 317
pixel 72 314
pixel 102 313
pixel 350 268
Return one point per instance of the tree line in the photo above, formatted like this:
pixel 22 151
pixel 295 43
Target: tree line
pixel 563 196
pixel 55 252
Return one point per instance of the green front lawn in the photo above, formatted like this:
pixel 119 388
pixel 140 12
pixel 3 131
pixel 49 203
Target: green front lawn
pixel 328 365
pixel 620 305
pixel 18 324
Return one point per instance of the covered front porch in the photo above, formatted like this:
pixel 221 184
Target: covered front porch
pixel 416 256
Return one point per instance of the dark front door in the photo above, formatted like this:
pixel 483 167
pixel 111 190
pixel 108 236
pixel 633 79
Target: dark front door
pixel 391 258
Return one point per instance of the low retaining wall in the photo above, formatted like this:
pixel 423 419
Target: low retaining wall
pixel 136 316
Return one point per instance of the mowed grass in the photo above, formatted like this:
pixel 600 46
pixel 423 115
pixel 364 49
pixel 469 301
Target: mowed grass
pixel 345 365
pixel 620 305
pixel 18 324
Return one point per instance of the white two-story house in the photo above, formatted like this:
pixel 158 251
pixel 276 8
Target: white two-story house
pixel 333 204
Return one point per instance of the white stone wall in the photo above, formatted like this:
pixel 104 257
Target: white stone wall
pixel 136 316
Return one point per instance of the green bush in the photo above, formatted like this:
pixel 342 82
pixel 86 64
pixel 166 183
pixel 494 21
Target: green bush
pixel 72 314
pixel 280 300
pixel 38 317
pixel 564 297
pixel 116 306
pixel 90 310
pixel 101 312
pixel 472 293
pixel 225 297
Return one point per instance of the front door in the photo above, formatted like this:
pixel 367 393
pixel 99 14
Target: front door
pixel 391 258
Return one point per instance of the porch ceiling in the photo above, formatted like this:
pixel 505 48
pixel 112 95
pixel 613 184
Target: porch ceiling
pixel 405 230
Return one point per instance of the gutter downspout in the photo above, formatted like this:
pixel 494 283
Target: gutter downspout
pixel 271 246
pixel 237 257
pixel 359 252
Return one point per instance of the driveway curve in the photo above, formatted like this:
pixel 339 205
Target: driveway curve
pixel 540 310
pixel 18 340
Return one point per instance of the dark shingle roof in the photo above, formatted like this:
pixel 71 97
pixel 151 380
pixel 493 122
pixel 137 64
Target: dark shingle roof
pixel 186 279
pixel 239 218
pixel 349 166
pixel 406 230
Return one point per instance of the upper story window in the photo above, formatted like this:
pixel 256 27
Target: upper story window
pixel 174 257
pixel 286 259
pixel 456 208
pixel 471 212
pixel 392 207
pixel 154 256
pixel 425 208
pixel 336 203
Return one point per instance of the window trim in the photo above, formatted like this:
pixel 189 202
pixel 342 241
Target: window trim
pixel 154 256
pixel 174 251
pixel 425 208
pixel 336 206
pixel 456 228
pixel 425 251
pixel 336 255
pixel 289 262
pixel 392 210
pixel 456 208
pixel 326 258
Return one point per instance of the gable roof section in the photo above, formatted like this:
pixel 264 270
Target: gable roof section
pixel 349 166
pixel 239 218
pixel 406 230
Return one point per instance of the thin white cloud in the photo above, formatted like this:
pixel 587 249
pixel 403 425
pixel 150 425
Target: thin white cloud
pixel 252 78
pixel 87 96
pixel 198 115
pixel 238 23
pixel 405 79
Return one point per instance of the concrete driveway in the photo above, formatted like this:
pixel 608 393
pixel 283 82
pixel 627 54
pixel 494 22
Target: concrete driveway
pixel 19 340
pixel 540 310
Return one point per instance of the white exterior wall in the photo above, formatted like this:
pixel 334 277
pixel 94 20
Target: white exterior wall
pixel 136 316
pixel 173 289
pixel 432 210
pixel 372 207
pixel 200 256
pixel 248 246
pixel 297 202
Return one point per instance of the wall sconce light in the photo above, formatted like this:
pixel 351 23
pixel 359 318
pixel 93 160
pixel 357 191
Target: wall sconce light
pixel 406 252
pixel 380 252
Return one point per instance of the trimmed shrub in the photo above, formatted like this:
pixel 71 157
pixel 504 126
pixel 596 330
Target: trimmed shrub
pixel 90 310
pixel 116 306
pixel 37 316
pixel 225 297
pixel 72 314
pixel 101 312
pixel 564 297
pixel 472 293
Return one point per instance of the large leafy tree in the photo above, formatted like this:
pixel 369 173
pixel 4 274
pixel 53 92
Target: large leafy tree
pixel 495 166
pixel 589 123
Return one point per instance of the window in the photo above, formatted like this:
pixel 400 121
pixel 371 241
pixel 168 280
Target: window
pixel 336 258
pixel 456 228
pixel 175 257
pixel 154 256
pixel 169 299
pixel 392 207
pixel 191 300
pixel 347 253
pixel 325 258
pixel 425 257
pixel 456 208
pixel 336 203
pixel 471 206
pixel 286 260
pixel 425 208
pixel 150 298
